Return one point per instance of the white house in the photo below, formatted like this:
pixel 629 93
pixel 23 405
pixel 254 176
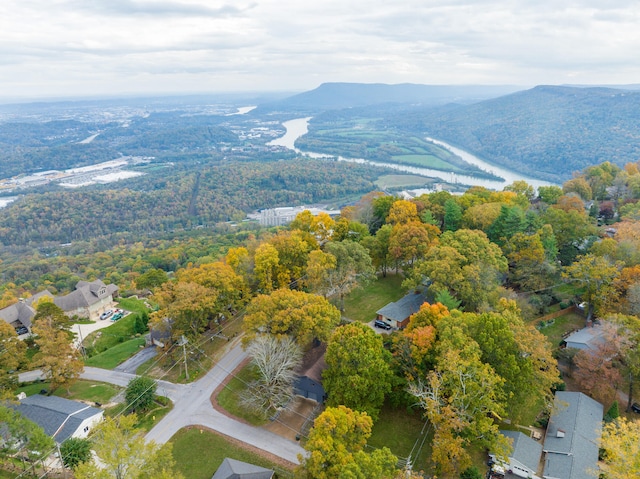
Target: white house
pixel 60 418
pixel 524 460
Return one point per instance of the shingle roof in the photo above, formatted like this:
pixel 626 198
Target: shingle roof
pixel 59 417
pixel 232 469
pixel 403 308
pixel 573 437
pixel 586 338
pixel 525 450
pixel 18 312
pixel 85 295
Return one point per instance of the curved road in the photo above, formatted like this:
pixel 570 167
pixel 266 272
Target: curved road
pixel 192 406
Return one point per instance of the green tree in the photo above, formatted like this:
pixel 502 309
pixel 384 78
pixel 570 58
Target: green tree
pixel 596 274
pixel 353 268
pixel 75 451
pixel 152 279
pixel 285 312
pixel 124 453
pixel 358 374
pixel 452 215
pixel 378 247
pixel 58 359
pixel 510 221
pixel 336 448
pixel 51 314
pixel 12 356
pixel 140 393
pixel 464 262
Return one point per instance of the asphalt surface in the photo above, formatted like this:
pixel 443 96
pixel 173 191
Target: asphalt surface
pixel 134 362
pixel 192 406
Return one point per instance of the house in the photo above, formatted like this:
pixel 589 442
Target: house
pixel 397 314
pixel 308 384
pixel 232 469
pixel 590 337
pixel 20 314
pixel 525 455
pixel 88 300
pixel 60 418
pixel 573 437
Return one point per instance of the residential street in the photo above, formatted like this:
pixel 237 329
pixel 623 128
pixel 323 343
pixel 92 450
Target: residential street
pixel 192 406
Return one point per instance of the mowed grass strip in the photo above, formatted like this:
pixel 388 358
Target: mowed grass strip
pixel 81 390
pixel 362 303
pixel 110 358
pixel 106 338
pixel 199 452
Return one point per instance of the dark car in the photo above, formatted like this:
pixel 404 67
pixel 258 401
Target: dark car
pixel 378 323
pixel 635 407
pixel 21 330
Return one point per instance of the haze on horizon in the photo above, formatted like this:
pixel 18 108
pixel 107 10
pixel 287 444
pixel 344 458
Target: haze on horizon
pixel 78 48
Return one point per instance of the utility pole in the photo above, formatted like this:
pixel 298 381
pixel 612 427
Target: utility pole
pixel 183 343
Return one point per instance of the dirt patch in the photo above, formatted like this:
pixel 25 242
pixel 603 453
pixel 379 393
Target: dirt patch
pixel 290 422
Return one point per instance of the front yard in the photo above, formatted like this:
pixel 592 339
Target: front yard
pixel 362 304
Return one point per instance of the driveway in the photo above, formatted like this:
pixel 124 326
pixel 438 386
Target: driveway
pixel 132 364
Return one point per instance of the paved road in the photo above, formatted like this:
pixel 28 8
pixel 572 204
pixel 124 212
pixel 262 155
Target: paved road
pixel 195 408
pixel 192 406
pixel 135 361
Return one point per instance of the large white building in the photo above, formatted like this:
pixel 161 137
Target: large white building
pixel 286 214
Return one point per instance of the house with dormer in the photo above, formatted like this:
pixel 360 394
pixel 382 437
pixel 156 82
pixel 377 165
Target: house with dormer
pixel 88 300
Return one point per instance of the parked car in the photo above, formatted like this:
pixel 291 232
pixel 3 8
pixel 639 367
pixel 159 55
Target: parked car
pixel 106 314
pixel 635 407
pixel 378 323
pixel 21 330
pixel 116 316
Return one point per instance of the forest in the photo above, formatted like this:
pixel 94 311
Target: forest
pixel 490 264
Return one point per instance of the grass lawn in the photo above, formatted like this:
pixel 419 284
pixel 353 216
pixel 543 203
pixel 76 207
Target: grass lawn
pixel 400 430
pixel 199 453
pixel 106 338
pixel 110 358
pixel 80 390
pixel 161 407
pixel 362 304
pixel 229 397
pixel 132 304
pixel 562 325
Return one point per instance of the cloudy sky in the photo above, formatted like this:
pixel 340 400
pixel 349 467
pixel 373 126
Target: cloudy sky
pixel 54 48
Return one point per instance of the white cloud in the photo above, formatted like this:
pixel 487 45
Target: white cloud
pixel 62 48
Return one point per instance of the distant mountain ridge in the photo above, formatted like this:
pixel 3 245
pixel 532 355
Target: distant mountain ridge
pixel 331 96
pixel 547 131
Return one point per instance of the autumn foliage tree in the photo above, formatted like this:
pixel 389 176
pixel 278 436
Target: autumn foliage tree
pixel 621 448
pixel 336 448
pixel 285 312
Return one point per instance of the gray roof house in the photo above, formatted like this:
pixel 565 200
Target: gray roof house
pixel 397 314
pixel 232 469
pixel 525 455
pixel 88 300
pixel 573 437
pixel 308 383
pixel 587 338
pixel 60 418
pixel 22 312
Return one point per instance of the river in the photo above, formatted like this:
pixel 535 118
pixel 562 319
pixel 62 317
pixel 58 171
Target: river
pixel 300 126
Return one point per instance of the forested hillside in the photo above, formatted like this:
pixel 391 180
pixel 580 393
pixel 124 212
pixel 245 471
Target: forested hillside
pixel 181 198
pixel 548 131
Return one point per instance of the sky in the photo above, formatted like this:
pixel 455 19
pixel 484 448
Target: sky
pixel 87 48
